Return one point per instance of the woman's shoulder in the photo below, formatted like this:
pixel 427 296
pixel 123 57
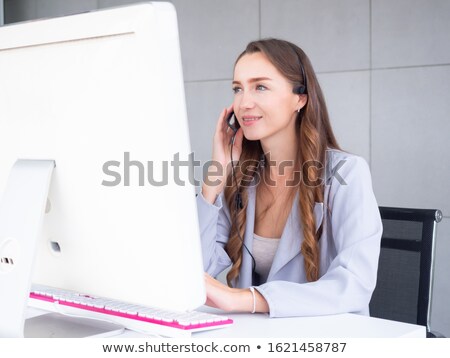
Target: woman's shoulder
pixel 341 164
pixel 336 155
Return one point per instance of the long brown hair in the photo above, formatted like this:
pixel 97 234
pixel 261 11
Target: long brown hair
pixel 314 134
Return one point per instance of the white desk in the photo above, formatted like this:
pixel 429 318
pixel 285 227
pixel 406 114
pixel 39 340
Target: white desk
pixel 336 326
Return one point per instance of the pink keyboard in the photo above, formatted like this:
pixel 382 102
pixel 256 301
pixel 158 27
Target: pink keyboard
pixel 138 318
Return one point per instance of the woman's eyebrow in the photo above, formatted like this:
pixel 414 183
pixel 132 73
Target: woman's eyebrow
pixel 255 79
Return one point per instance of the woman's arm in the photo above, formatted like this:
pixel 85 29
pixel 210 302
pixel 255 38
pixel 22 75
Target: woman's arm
pixel 215 224
pixel 233 299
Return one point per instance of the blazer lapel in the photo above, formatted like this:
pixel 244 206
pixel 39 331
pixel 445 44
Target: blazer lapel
pixel 245 275
pixel 292 237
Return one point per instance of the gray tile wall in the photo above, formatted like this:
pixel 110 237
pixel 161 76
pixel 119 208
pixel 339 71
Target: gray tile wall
pixel 410 128
pixel 53 8
pixel 348 99
pixel 410 32
pixel 334 34
pixel 19 10
pixel 384 66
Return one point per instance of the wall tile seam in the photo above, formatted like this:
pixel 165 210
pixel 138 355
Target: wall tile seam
pixel 317 73
pixel 410 66
pixel 338 72
pixel 259 18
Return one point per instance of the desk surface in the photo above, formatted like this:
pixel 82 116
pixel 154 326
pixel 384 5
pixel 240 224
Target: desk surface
pixel 336 326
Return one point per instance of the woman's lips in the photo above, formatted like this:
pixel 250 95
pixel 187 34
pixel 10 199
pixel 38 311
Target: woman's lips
pixel 249 120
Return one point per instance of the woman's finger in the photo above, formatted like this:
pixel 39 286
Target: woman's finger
pixel 221 121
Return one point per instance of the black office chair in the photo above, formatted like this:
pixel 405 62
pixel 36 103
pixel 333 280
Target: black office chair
pixel 405 271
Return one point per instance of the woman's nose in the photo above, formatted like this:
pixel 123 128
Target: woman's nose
pixel 246 100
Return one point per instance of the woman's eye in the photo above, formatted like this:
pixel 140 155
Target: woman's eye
pixel 236 89
pixel 261 88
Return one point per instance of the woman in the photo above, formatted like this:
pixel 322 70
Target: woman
pixel 296 217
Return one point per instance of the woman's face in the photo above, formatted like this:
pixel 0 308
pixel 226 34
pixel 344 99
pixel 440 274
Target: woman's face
pixel 264 103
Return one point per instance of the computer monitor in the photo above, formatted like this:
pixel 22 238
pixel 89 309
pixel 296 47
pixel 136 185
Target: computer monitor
pixel 102 94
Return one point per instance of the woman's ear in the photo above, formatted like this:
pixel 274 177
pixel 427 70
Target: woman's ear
pixel 301 101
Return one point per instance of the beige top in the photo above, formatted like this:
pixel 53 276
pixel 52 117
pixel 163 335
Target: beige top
pixel 263 252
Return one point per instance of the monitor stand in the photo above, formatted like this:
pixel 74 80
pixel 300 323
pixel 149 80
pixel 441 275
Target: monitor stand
pixel 22 210
pixel 56 325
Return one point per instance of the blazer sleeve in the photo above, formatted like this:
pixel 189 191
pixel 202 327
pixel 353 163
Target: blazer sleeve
pixel 215 224
pixel 350 279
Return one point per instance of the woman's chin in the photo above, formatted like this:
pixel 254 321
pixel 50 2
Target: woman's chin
pixel 252 136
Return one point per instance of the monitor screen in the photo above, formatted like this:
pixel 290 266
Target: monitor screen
pixel 102 94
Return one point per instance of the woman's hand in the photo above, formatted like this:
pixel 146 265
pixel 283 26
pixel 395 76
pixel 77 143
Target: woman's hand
pixel 230 299
pixel 221 156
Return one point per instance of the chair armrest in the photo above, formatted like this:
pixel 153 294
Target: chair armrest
pixel 434 334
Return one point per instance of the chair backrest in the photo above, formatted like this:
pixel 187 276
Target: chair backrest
pixel 405 268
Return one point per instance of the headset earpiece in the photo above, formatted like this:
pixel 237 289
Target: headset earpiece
pixel 299 89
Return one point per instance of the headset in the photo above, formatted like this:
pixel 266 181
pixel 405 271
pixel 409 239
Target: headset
pixel 300 89
pixel 234 126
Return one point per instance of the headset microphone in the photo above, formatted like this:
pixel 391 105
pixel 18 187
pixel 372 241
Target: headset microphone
pixel 239 205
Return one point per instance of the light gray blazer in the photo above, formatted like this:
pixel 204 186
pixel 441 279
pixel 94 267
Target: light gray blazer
pixel 349 245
